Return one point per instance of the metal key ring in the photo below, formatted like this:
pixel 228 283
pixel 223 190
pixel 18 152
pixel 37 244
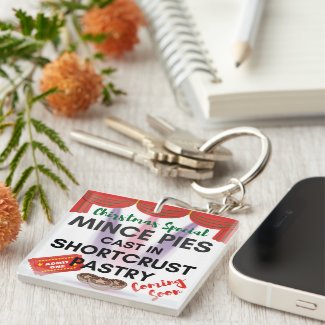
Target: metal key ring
pixel 211 192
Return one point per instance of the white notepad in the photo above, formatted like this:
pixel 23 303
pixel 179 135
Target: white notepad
pixel 285 76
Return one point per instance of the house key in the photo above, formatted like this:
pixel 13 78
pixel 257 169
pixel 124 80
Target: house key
pixel 185 143
pixel 139 157
pixel 155 145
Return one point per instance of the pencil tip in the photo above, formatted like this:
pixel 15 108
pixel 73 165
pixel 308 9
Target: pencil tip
pixel 237 64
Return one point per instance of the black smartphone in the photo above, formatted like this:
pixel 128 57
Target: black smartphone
pixel 282 264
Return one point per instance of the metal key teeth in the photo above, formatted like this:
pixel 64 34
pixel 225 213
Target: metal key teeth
pixel 175 170
pixel 156 146
pixel 156 156
pixel 156 149
pixel 159 168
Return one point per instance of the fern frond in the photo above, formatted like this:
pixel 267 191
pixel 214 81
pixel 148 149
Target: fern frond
pixel 42 128
pixel 6 125
pixel 51 175
pixel 15 137
pixel 28 201
pixel 23 178
pixel 54 159
pixel 3 115
pixel 45 94
pixel 68 173
pixel 44 203
pixel 15 161
pixel 108 71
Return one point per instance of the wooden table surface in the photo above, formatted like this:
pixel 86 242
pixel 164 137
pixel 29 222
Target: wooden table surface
pixel 298 152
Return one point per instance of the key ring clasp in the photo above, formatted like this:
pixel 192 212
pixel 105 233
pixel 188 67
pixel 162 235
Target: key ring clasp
pixel 233 187
pixel 229 204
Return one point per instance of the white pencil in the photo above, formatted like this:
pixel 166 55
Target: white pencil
pixel 245 36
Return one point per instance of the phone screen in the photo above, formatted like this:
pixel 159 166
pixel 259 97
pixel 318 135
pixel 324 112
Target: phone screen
pixel 289 246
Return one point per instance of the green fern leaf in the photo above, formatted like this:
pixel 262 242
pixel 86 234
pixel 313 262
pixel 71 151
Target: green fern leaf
pixel 116 91
pixel 15 161
pixel 108 71
pixel 45 94
pixel 6 26
pixel 39 60
pixel 15 137
pixel 26 22
pixel 51 175
pixel 97 38
pixel 4 74
pixel 22 180
pixel 100 3
pixel 5 125
pixel 68 173
pixel 28 201
pixel 106 96
pixel 74 5
pixel 40 127
pixel 45 203
pixel 54 159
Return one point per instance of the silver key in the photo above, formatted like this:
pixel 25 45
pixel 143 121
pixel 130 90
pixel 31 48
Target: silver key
pixel 155 145
pixel 166 170
pixel 185 143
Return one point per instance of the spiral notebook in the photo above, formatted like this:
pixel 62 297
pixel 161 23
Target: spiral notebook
pixel 285 76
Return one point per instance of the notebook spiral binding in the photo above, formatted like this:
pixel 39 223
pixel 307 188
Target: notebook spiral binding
pixel 178 43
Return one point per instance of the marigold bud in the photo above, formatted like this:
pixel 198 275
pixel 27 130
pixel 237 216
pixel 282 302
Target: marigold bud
pixel 119 21
pixel 78 84
pixel 10 218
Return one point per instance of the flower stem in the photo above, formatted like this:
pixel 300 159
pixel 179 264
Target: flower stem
pixel 28 107
pixel 5 91
pixel 77 33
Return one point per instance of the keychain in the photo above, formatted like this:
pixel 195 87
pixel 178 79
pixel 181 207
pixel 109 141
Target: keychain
pixel 180 153
pixel 229 203
pixel 140 253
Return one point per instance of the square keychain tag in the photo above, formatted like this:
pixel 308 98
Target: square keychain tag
pixel 117 249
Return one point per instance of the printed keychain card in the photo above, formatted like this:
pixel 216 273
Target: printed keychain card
pixel 117 249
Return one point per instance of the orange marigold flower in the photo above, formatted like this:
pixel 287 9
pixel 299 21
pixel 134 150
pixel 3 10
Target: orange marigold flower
pixel 78 84
pixel 126 10
pixel 119 21
pixel 10 218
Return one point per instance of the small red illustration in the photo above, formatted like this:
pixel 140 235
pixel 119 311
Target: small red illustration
pixel 54 264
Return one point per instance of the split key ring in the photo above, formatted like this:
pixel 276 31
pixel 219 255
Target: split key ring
pixel 233 187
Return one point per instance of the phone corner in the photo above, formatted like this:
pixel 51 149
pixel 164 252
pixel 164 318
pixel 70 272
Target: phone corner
pixel 247 288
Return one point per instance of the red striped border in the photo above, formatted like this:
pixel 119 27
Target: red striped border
pixel 226 226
